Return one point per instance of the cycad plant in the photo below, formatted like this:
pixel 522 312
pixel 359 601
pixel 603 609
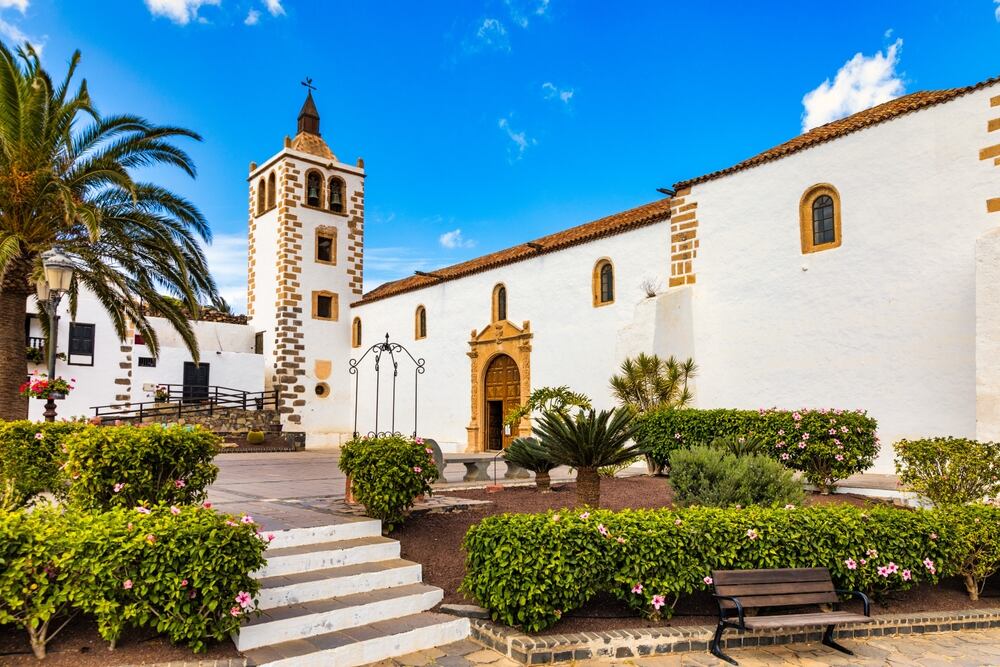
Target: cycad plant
pixel 588 442
pixel 648 383
pixel 532 455
pixel 66 181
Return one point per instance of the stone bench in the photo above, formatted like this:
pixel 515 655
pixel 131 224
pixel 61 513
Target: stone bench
pixel 477 466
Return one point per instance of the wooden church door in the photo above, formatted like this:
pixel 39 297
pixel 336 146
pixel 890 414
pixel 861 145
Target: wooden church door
pixel 502 390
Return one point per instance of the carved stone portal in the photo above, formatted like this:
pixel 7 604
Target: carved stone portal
pixel 499 338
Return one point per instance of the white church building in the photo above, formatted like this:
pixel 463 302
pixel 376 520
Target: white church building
pixel 854 266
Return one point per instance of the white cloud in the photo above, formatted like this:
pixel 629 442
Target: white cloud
pixel 227 260
pixel 16 37
pixel 180 12
pixel 996 12
pixel 860 84
pixel 888 33
pixel 491 34
pixel 520 11
pixel 454 239
pixel 274 7
pixel 520 139
pixel 551 91
pixel 20 5
pixel 253 17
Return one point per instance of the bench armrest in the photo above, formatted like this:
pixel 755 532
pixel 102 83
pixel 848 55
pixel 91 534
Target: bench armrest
pixel 722 611
pixel 858 594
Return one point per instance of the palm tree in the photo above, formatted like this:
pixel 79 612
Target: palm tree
pixel 532 455
pixel 65 182
pixel 648 383
pixel 588 442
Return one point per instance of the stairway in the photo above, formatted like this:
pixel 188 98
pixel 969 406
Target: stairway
pixel 340 595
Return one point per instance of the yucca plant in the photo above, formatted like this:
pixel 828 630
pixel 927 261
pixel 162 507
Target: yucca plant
pixel 532 455
pixel 588 442
pixel 742 445
pixel 648 383
pixel 548 399
pixel 66 181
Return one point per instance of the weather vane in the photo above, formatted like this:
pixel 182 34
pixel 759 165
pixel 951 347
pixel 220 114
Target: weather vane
pixel 308 83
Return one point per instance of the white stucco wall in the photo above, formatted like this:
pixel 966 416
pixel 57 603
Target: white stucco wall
pixel 573 342
pixel 988 336
pixel 887 321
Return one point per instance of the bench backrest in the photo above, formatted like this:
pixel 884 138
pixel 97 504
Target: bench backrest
pixel 789 587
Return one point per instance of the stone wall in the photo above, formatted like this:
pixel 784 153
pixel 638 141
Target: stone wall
pixel 225 420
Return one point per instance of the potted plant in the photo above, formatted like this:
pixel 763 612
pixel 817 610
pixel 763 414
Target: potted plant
pixel 40 386
pixel 161 394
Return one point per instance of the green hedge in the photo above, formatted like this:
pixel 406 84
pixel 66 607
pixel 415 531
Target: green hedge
pixel 123 466
pixel 388 474
pixel 712 477
pixel 31 459
pixel 177 570
pixel 529 569
pixel 825 445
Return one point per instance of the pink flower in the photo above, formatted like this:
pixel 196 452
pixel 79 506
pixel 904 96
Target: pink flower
pixel 851 564
pixel 677 436
pixel 191 594
pixel 179 483
pixel 637 588
pixel 585 516
pixel 933 536
pixel 130 525
pixel 784 456
pixel 780 444
pixel 142 510
pixel 789 506
pixel 883 572
pixel 207 505
pixel 270 537
pixel 246 519
pixel 752 534
pixel 677 522
pixel 175 510
pixel 230 522
pixel 429 450
pixel 871 553
pixel 802 445
pixel 708 580
pixel 906 575
pixel 658 601
pixel 929 564
pixel 555 517
pixel 151 538
pixel 839 457
pixel 127 584
pixel 39 436
pixel 417 469
pixel 235 611
pixel 781 432
pixel 863 561
pixel 832 431
pixel 119 486
pixel 419 441
pixel 602 530
pixel 620 540
pixel 244 599
pixel 184 583
pixel 796 416
pixel 892 568
pixel 843 429
pixel 805 436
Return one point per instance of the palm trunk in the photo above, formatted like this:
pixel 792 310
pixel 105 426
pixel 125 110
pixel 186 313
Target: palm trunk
pixel 14 293
pixel 543 482
pixel 588 487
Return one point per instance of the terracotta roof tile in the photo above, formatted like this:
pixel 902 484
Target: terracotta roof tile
pixel 838 128
pixel 313 144
pixel 613 224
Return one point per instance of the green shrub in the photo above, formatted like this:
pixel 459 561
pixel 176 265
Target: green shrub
pixel 529 569
pixel 531 455
pixel 255 437
pixel 31 456
pixel 388 474
pixel 825 445
pixel 125 466
pixel 949 471
pixel 711 477
pixel 976 532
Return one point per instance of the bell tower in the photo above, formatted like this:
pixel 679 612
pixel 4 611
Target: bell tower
pixel 306 247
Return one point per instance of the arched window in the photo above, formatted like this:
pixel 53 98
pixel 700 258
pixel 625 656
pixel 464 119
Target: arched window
pixel 336 190
pixel 356 333
pixel 499 303
pixel 271 191
pixel 819 218
pixel 420 323
pixel 260 196
pixel 314 189
pixel 603 283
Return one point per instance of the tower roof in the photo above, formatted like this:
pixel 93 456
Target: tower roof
pixel 309 116
pixel 308 139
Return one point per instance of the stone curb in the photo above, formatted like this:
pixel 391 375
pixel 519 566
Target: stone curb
pixel 228 662
pixel 548 649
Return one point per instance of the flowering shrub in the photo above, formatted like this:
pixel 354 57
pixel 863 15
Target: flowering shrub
pixel 977 536
pixel 31 456
pixel 159 569
pixel 529 569
pixel 825 445
pixel 388 474
pixel 712 477
pixel 124 466
pixel 40 386
pixel 949 471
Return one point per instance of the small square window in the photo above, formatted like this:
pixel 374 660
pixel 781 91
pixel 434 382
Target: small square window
pixel 325 306
pixel 81 344
pixel 147 362
pixel 325 248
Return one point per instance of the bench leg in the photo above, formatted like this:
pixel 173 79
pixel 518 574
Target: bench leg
pixel 828 641
pixel 515 471
pixel 477 471
pixel 716 647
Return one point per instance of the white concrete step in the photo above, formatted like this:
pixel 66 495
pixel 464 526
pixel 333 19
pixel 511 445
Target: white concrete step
pixel 308 619
pixel 320 556
pixel 289 589
pixel 361 646
pixel 347 530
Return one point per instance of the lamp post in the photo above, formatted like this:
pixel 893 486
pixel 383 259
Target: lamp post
pixel 58 277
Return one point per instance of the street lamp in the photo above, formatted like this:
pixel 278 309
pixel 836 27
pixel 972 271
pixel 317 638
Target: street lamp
pixel 58 277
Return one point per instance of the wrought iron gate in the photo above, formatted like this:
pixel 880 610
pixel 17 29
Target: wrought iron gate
pixel 394 353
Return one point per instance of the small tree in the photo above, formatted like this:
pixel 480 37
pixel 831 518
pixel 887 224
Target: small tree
pixel 532 455
pixel 588 442
pixel 548 399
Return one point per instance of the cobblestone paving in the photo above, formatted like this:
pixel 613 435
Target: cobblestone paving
pixel 948 649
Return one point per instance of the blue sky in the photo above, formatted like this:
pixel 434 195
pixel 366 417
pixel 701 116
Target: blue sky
pixel 485 123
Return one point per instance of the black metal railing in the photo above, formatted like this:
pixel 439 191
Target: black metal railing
pixel 36 342
pixel 180 400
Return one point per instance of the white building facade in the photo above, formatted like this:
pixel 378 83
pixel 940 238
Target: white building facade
pixel 855 266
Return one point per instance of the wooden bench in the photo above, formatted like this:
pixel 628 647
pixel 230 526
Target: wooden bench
pixel 737 591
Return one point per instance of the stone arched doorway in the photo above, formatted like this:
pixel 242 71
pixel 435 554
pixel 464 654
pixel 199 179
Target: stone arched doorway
pixel 502 393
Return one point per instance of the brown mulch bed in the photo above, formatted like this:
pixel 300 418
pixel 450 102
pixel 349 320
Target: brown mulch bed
pixel 79 645
pixel 434 541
